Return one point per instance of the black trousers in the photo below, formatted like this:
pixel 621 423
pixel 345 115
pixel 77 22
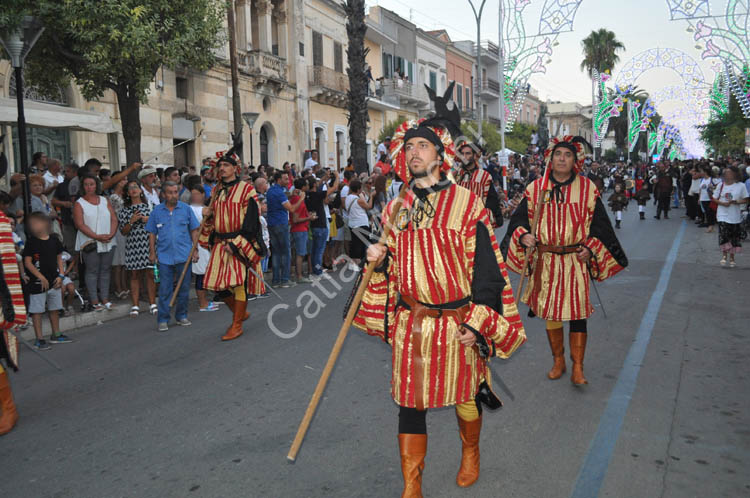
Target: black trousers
pixel 663 206
pixel 691 205
pixel 709 215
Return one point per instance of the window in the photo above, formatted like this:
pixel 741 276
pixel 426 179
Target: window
pixel 338 58
pixel 433 80
pixel 411 71
pixel 181 87
pixel 460 95
pixel 317 41
pixel 468 98
pixel 301 49
pixel 387 67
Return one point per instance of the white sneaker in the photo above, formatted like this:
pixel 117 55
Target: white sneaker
pixel 153 309
pixel 353 266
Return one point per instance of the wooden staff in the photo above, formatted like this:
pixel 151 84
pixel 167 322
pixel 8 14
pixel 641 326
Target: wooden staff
pixel 192 250
pixel 305 424
pixel 534 229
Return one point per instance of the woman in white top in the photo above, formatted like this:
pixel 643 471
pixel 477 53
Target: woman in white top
pixel 97 224
pixel 730 196
pixel 356 204
pixel 708 187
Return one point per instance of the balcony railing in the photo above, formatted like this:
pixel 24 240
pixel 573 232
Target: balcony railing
pixel 405 92
pixel 263 64
pixel 489 87
pixel 488 49
pixel 327 78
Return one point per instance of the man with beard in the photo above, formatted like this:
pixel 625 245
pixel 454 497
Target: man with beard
pixel 478 181
pixel 440 296
pixel 233 233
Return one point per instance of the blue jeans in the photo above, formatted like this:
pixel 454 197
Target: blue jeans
pixel 676 198
pixel 320 237
pixel 168 274
pixel 264 264
pixel 281 252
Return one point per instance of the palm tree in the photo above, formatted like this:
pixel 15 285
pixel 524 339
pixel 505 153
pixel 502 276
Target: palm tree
pixel 357 102
pixel 600 52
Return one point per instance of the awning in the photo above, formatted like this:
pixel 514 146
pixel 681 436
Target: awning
pixel 55 116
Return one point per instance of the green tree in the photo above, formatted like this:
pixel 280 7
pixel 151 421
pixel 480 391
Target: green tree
pixel 357 102
pixel 119 45
pixel 726 136
pixel 490 134
pixel 389 129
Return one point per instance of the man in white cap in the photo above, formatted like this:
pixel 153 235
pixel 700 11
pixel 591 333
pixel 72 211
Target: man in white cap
pixel 147 177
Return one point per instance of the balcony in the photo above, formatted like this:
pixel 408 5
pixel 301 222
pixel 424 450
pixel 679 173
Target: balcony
pixel 489 89
pixel 328 86
pixel 490 52
pixel 468 114
pixel 265 67
pixel 494 121
pixel 405 93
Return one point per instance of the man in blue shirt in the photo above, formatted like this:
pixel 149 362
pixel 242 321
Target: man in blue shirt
pixel 279 208
pixel 172 229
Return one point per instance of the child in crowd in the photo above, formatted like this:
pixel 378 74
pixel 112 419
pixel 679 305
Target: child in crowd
pixel 68 287
pixel 42 257
pixel 642 197
pixel 617 202
pixel 197 203
pixel 266 236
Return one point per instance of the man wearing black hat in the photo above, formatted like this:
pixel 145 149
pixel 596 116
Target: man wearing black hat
pixel 440 296
pixel 233 233
pixel 478 180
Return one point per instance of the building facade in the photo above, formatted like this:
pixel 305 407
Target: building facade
pixel 569 118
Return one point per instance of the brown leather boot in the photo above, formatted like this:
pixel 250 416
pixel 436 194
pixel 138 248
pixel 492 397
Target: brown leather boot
pixel 229 301
pixel 557 345
pixel 413 448
pixel 235 330
pixel 468 473
pixel 577 351
pixel 10 415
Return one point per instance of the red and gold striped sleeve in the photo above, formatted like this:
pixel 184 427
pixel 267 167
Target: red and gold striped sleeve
pixel 379 299
pixel 493 312
pixel 11 275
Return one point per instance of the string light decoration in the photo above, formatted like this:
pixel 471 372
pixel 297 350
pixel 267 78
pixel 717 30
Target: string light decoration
pixel 638 118
pixel 725 38
pixel 607 105
pixel 525 55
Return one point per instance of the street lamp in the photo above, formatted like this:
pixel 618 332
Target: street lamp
pixel 18 44
pixel 250 118
pixel 478 96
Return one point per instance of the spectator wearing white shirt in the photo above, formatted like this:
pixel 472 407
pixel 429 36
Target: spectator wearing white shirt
pixel 708 186
pixel 312 161
pixel 53 176
pixel 729 197
pixel 147 177
pixel 384 147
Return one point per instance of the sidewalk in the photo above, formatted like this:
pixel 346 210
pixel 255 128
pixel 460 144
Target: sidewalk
pixel 78 319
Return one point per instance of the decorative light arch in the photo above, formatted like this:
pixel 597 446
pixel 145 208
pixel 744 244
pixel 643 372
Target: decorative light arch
pixel 670 58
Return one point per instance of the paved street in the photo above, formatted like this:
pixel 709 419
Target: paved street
pixel 140 414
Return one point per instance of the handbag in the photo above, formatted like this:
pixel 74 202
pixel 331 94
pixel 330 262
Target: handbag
pixel 90 245
pixel 713 205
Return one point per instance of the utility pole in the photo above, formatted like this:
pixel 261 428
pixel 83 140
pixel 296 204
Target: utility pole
pixel 478 96
pixel 501 78
pixel 236 106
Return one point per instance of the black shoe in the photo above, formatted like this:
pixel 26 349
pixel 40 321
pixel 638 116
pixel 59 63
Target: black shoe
pixel 657 217
pixel 42 345
pixel 703 225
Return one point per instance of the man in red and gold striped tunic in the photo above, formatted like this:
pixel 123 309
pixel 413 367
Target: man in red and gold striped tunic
pixel 573 241
pixel 441 297
pixel 233 232
pixel 14 313
pixel 478 180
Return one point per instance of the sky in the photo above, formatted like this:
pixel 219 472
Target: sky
pixel 639 24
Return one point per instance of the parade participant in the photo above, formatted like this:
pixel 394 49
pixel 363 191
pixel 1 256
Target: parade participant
pixel 618 202
pixel 232 232
pixel 13 313
pixel 642 197
pixel 477 180
pixel 440 296
pixel 663 193
pixel 573 241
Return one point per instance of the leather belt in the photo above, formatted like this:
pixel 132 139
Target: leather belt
pixel 559 250
pixel 226 235
pixel 419 312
